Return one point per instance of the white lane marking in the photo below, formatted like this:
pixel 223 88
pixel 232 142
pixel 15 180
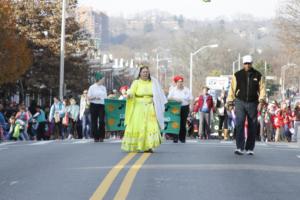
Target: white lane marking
pixel 261 144
pixel 293 146
pixel 226 142
pixel 13 183
pixel 7 143
pixel 204 167
pixel 114 141
pixel 82 142
pixel 41 143
pixel 191 141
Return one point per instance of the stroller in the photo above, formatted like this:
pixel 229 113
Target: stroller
pixel 17 130
pixel 3 132
pixel 192 126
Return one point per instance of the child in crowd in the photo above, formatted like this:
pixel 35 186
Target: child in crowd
pixel 23 117
pixel 278 122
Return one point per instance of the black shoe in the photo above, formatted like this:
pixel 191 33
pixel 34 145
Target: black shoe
pixel 149 151
pixel 175 141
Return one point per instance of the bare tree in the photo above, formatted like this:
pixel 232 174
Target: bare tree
pixel 288 24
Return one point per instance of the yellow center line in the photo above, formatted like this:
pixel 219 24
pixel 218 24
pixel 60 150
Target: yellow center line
pixel 130 176
pixel 110 177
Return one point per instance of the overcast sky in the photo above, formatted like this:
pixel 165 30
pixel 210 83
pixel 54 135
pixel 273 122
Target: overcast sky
pixel 196 9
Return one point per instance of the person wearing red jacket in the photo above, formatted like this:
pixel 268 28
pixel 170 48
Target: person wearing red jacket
pixel 204 106
pixel 278 123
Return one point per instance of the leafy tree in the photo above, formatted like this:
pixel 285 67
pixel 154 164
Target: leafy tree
pixel 40 22
pixel 15 56
pixel 260 66
pixel 271 86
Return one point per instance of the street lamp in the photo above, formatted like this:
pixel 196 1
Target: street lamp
pixel 169 60
pixel 191 62
pixel 62 51
pixel 282 74
pixel 233 65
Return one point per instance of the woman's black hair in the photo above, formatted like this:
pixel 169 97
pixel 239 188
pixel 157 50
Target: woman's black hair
pixel 141 68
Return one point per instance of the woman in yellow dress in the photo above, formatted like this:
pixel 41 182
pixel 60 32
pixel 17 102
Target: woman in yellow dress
pixel 144 115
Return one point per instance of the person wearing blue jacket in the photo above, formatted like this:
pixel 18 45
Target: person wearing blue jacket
pixel 57 112
pixel 40 118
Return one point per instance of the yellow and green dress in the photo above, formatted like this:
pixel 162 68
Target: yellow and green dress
pixel 142 131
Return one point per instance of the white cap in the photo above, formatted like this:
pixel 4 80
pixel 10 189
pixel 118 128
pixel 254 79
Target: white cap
pixel 247 59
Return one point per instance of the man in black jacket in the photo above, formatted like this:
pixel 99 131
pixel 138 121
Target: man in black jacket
pixel 247 94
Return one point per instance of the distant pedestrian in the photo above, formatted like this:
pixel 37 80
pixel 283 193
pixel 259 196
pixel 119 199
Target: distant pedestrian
pixel 222 115
pixel 278 125
pixel 11 110
pixel 144 115
pixel 182 95
pixel 40 118
pixel 66 125
pixel 85 115
pixel 73 118
pixel 55 118
pixel 204 107
pixel 296 122
pixel 96 95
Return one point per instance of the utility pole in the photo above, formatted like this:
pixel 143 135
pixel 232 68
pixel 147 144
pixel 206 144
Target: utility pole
pixel 62 51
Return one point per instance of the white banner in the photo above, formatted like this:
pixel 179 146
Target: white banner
pixel 217 83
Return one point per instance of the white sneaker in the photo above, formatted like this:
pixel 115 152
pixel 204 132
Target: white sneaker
pixel 239 152
pixel 251 153
pixel 70 137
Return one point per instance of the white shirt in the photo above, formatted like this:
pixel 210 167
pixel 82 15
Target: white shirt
pixel 97 91
pixel 184 95
pixel 84 103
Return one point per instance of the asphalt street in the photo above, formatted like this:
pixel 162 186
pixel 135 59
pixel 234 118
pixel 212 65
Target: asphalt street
pixel 81 169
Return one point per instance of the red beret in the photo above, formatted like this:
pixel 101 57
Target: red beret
pixel 177 78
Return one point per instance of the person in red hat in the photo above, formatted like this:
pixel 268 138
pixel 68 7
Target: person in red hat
pixel 183 95
pixel 123 91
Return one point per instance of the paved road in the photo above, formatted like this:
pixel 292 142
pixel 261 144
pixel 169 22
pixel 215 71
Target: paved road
pixel 196 170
